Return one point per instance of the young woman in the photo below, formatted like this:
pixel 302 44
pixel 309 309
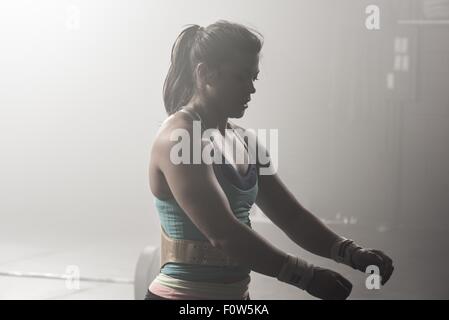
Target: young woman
pixel 208 247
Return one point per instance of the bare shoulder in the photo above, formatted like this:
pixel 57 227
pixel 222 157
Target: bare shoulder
pixel 163 139
pixel 168 134
pixel 178 120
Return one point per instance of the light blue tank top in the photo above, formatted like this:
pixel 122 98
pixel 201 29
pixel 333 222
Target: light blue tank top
pixel 241 191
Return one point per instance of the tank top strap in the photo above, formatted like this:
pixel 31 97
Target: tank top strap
pixel 194 115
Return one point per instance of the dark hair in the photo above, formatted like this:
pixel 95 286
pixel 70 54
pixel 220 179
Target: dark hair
pixel 213 45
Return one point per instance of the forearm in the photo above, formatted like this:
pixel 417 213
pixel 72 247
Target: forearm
pixel 310 233
pixel 249 248
pixel 281 206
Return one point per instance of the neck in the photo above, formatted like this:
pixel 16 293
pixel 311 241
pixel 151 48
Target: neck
pixel 210 115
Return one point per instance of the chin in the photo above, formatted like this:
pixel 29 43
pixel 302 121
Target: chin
pixel 242 113
pixel 237 114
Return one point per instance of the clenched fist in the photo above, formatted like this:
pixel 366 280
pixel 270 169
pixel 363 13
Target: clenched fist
pixel 329 285
pixel 362 258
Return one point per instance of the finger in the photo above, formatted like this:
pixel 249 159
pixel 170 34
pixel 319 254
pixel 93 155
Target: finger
pixel 378 260
pixel 383 256
pixel 388 275
pixel 371 261
pixel 386 266
pixel 345 282
pixel 343 291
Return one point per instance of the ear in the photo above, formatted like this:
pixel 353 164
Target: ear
pixel 206 75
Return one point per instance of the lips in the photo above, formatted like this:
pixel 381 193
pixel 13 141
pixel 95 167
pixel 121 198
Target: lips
pixel 245 102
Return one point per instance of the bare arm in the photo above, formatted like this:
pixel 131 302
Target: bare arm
pixel 309 232
pixel 300 225
pixel 197 191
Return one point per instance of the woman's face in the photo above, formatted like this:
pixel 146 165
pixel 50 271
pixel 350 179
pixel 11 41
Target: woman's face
pixel 234 85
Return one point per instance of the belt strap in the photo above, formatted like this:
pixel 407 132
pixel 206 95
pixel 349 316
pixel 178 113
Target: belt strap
pixel 192 252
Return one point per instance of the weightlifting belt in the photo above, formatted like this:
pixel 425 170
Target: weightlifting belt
pixel 192 252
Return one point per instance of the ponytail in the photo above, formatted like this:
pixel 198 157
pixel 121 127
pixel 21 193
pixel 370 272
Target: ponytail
pixel 179 83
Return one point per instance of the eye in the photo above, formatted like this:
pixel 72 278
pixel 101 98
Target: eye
pixel 245 77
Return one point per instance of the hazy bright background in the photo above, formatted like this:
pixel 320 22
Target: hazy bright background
pixel 363 115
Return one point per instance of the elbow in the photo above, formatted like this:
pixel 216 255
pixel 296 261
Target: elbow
pixel 216 243
pixel 221 243
pixel 228 239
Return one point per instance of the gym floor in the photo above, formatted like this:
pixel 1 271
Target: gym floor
pixel 95 259
pixel 420 265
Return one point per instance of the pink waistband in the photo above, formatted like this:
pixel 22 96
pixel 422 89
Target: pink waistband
pixel 169 293
pixel 191 291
